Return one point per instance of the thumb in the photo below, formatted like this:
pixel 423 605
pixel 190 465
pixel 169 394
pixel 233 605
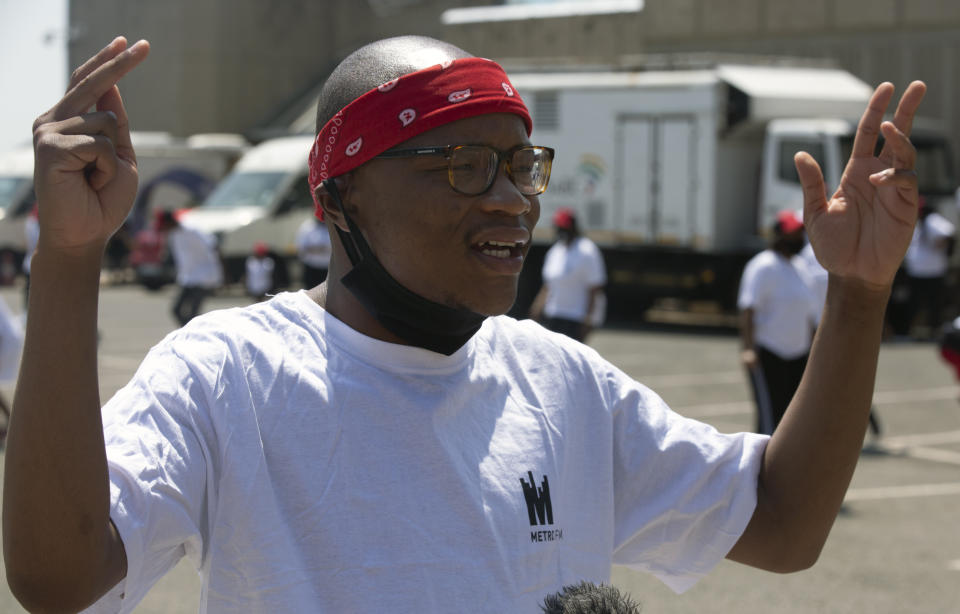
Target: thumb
pixel 811 179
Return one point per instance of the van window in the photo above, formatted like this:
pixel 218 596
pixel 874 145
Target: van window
pixel 788 148
pixel 300 193
pixel 11 191
pixel 245 189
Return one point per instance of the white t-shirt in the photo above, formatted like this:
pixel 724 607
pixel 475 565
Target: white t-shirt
pixel 195 254
pixel 259 279
pixel 569 272
pixel 925 258
pixel 313 244
pixel 305 467
pixel 785 311
pixel 815 275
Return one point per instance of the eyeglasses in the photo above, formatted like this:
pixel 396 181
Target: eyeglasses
pixel 472 169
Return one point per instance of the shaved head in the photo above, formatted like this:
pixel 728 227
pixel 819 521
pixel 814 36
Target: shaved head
pixel 374 64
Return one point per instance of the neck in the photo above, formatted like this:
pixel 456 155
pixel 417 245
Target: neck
pixel 343 305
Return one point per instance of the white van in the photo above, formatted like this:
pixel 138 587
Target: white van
pixel 173 173
pixel 265 198
pixel 16 200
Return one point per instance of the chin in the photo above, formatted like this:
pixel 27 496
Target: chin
pixel 496 302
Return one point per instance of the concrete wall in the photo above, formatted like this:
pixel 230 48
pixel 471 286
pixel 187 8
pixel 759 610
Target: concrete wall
pixel 229 65
pixel 232 65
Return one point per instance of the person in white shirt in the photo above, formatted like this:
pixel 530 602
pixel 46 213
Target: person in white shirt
pixel 778 315
pixel 313 249
pixel 389 440
pixel 926 264
pixel 199 271
pixel 574 275
pixel 259 271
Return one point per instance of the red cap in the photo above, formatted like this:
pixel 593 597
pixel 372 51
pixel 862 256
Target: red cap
pixel 564 218
pixel 260 248
pixel 788 222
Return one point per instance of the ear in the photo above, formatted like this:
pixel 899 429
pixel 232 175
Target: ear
pixel 330 206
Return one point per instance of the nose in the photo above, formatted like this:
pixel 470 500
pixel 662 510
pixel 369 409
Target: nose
pixel 504 198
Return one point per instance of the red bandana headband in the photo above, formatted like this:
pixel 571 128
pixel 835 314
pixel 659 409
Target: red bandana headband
pixel 404 107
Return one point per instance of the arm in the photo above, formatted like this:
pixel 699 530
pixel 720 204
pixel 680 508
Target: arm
pixel 60 548
pixel 748 353
pixel 860 236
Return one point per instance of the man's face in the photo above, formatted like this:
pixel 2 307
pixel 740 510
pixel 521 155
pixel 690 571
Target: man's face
pixel 445 246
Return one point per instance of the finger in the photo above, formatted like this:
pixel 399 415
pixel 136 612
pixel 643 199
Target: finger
pixel 107 53
pixel 898 178
pixel 111 102
pixel 92 87
pixel 865 141
pixel 907 107
pixel 898 151
pixel 101 122
pixel 906 110
pixel 811 180
pixel 93 155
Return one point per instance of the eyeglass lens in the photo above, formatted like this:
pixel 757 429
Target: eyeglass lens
pixel 473 169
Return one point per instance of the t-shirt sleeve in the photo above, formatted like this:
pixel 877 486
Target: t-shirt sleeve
pixel 684 493
pixel 158 451
pixel 748 296
pixel 597 272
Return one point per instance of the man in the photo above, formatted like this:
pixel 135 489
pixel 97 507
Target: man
pixel 259 267
pixel 573 280
pixel 778 315
pixel 386 440
pixel 313 249
pixel 926 263
pixel 197 260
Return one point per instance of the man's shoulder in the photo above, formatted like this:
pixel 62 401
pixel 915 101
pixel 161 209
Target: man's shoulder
pixel 237 326
pixel 528 339
pixel 760 262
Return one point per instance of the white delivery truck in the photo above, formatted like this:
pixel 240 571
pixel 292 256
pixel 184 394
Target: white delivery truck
pixel 264 199
pixel 678 174
pixel 173 173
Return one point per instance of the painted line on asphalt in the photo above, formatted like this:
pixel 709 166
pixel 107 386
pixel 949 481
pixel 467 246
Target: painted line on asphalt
pixel 902 492
pixel 896 397
pixel 114 361
pixel 888 397
pixel 940 437
pixel 932 454
pixel 693 379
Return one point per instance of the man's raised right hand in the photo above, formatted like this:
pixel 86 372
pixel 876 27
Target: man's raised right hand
pixel 85 171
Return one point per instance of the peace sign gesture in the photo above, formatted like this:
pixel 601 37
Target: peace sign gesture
pixel 864 229
pixel 86 170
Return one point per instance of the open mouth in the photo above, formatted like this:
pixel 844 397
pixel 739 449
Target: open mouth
pixel 501 249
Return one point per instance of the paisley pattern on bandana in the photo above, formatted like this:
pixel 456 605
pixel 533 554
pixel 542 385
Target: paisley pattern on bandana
pixel 421 101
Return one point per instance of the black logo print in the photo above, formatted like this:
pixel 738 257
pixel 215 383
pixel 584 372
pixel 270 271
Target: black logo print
pixel 539 508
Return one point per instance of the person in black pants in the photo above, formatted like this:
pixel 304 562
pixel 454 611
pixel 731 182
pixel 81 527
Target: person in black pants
pixel 778 314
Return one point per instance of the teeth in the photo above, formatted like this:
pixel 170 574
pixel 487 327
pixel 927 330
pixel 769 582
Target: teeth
pixel 500 243
pixel 496 253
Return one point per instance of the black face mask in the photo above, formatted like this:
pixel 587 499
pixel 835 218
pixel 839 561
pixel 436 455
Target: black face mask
pixel 416 320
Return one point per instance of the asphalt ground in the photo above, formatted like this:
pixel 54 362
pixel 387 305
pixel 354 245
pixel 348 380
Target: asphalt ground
pixel 894 548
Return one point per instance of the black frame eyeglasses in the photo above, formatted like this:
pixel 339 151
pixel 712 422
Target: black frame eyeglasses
pixel 472 169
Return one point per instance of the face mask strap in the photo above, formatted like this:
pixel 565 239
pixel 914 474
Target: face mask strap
pixel 346 238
